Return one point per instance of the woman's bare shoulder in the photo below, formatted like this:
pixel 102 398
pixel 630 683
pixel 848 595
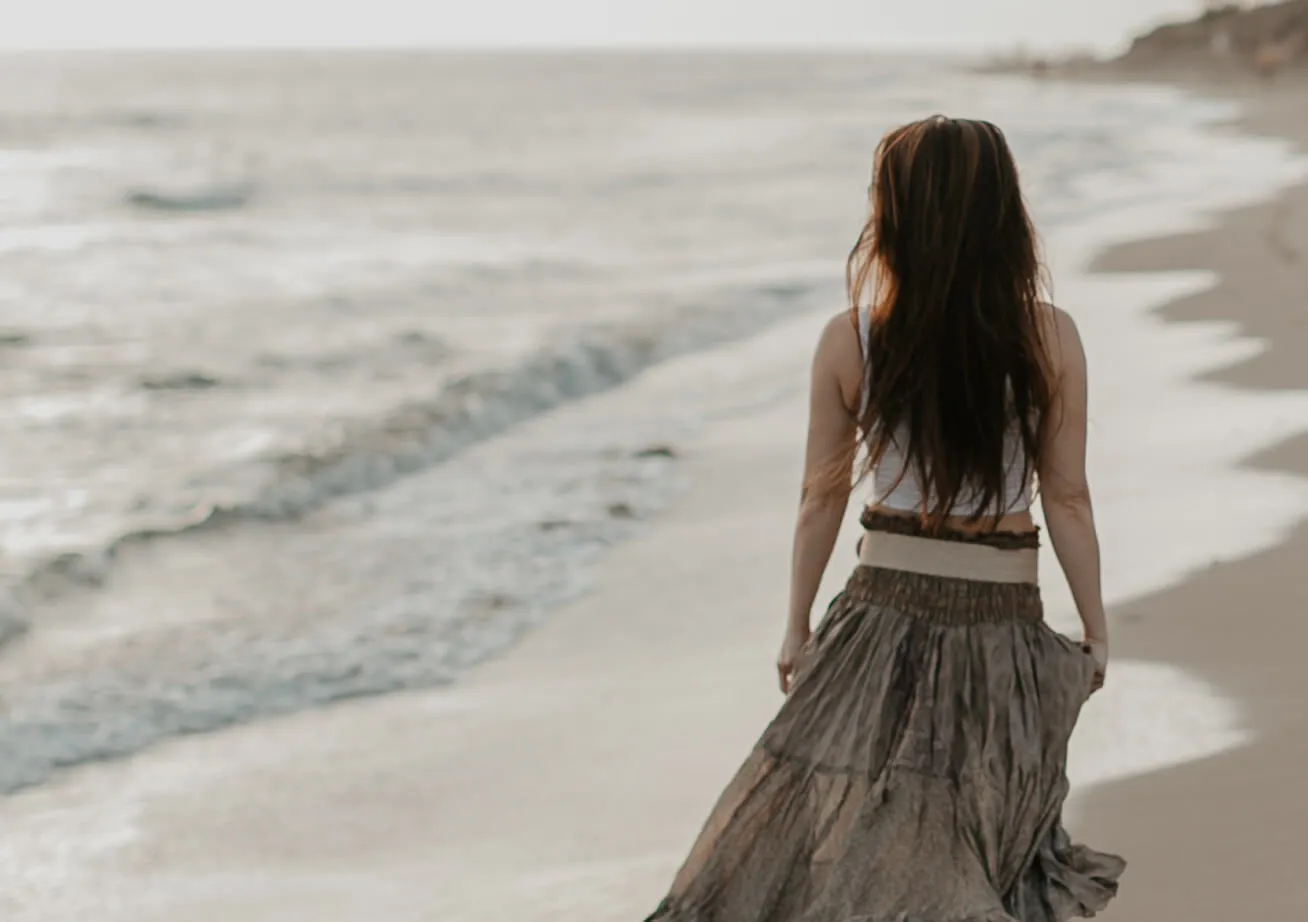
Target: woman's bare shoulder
pixel 1061 337
pixel 840 354
pixel 841 333
pixel 1055 319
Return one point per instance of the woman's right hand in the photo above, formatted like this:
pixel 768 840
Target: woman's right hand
pixel 787 660
pixel 1098 651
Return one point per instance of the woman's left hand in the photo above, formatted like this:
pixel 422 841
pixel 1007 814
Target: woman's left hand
pixel 1098 651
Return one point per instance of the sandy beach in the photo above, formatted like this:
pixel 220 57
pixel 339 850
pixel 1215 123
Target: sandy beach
pixel 1218 839
pixel 564 779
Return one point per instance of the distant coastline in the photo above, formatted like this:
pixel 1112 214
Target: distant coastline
pixel 1240 42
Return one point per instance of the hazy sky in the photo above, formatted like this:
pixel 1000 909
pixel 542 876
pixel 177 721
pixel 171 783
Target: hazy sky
pixel 956 23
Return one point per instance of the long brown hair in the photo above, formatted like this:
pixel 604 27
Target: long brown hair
pixel 948 263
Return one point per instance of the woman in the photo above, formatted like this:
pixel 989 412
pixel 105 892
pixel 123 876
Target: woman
pixel 916 771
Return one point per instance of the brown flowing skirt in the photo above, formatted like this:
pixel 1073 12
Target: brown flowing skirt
pixel 916 771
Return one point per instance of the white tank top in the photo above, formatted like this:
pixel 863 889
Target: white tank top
pixel 896 486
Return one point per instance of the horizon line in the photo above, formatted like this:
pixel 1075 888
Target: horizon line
pixel 581 47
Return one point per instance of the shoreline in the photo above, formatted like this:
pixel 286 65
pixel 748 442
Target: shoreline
pixel 1205 839
pixel 112 672
pixel 699 718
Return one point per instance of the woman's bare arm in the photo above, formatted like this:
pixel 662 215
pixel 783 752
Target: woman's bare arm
pixel 836 374
pixel 1064 488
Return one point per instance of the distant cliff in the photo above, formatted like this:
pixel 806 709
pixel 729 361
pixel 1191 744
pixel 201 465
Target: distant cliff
pixel 1265 38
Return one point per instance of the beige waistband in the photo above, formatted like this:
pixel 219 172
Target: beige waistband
pixel 956 559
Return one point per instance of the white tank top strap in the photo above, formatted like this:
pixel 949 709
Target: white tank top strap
pixel 864 330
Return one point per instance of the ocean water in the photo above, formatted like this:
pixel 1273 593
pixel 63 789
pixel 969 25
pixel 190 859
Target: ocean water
pixel 295 349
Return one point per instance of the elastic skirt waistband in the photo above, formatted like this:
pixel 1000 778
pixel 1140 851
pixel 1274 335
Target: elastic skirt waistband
pixel 944 600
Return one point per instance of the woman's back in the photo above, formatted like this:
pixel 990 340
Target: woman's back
pixel 898 489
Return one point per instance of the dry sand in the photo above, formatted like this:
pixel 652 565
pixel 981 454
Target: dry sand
pixel 565 780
